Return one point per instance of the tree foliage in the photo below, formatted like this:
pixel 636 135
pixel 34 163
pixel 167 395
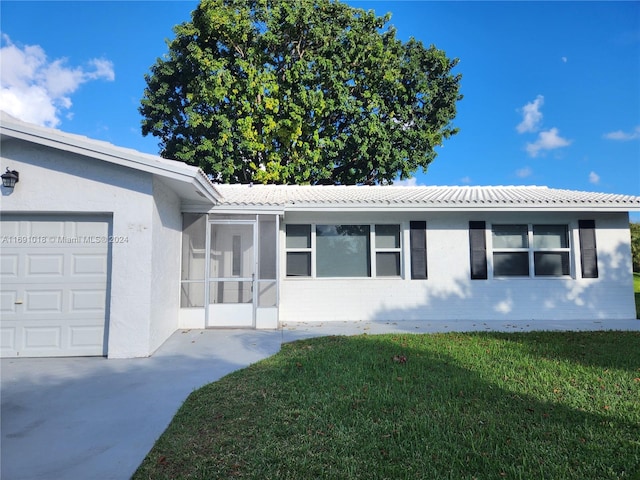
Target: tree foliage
pixel 298 91
pixel 635 245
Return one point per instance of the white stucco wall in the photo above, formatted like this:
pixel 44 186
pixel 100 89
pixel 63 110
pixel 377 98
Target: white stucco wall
pixel 55 181
pixel 449 293
pixel 165 264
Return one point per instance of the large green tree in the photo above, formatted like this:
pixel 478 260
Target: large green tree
pixel 298 91
pixel 635 245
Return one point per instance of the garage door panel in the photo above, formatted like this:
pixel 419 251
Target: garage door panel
pixel 89 264
pixel 8 338
pixel 55 341
pixel 36 338
pixel 67 280
pixel 8 266
pixel 8 301
pixel 84 337
pixel 45 228
pixel 51 335
pixel 10 228
pixel 53 295
pixel 91 229
pixel 88 300
pixel 41 301
pixel 44 264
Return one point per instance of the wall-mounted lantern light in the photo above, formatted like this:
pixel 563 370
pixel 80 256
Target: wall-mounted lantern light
pixel 10 178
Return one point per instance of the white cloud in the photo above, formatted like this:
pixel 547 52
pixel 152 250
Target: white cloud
pixel 623 136
pixel 409 182
pixel 547 140
pixel 565 59
pixel 531 116
pixel 37 90
pixel 524 172
pixel 104 69
pixel 594 178
pixel 466 180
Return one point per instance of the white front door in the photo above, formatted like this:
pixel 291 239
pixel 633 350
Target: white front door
pixel 232 267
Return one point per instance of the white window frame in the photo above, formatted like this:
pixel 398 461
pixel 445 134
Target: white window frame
pixel 310 250
pixel 373 250
pixel 531 251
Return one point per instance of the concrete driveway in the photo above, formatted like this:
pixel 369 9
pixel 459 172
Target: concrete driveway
pixel 92 418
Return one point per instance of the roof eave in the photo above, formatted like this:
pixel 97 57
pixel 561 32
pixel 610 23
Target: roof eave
pixel 462 208
pixel 119 156
pixel 247 210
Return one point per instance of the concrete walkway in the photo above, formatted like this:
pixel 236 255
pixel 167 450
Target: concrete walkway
pixel 92 418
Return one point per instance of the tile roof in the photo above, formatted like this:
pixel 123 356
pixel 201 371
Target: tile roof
pixel 294 197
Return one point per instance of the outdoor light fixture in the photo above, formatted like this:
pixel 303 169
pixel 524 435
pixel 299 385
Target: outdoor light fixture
pixel 10 178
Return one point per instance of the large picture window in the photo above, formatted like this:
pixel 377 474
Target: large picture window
pixel 343 250
pixel 530 250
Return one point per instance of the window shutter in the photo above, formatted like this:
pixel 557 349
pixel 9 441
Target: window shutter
pixel 418 240
pixel 588 252
pixel 478 250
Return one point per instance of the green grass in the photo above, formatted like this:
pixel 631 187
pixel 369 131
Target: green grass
pixel 463 406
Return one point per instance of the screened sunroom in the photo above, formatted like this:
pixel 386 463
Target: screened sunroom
pixel 229 270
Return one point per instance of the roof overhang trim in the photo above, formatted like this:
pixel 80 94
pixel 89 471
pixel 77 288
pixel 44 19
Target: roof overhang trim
pixel 422 208
pixel 171 170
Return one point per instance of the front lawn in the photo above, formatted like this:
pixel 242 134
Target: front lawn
pixel 405 406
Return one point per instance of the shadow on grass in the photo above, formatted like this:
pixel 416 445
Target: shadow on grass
pixel 407 406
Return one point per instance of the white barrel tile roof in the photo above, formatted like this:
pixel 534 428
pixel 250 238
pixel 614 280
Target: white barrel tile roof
pixel 430 196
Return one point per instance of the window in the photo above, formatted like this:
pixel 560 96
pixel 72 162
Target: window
pixel 298 246
pixel 510 250
pixel 551 250
pixel 387 242
pixel 516 248
pixel 343 250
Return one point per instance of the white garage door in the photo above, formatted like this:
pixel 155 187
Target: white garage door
pixel 53 285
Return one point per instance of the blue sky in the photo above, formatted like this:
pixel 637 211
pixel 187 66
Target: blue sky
pixel 551 89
